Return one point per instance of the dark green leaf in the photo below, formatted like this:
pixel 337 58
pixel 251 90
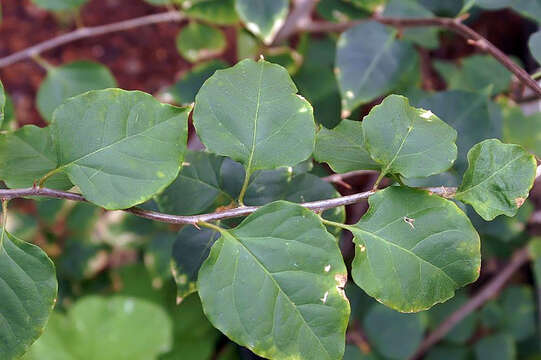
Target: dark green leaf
pixel 343 148
pixel 221 12
pixel 534 43
pixel 521 129
pixel 447 352
pixel 119 147
pixel 400 242
pixel 339 11
pixel 495 347
pixel 26 155
pixel 196 42
pixel 498 179
pixel 69 80
pixel 408 141
pixel 106 329
pixel 369 63
pixel 236 115
pixel 394 335
pixel 158 257
pixel 28 290
pixel 283 253
pixel 463 331
pixel 263 17
pixel 185 89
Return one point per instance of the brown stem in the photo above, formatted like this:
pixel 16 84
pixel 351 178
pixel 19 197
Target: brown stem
pixel 519 258
pixel 85 32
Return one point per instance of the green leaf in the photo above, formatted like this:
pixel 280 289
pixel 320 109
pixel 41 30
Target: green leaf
pixel 158 257
pixel 534 43
pixel 284 56
pixel 263 18
pixel 198 189
pixel 369 63
pixel 2 104
pixel 426 37
pixel 190 250
pixel 107 329
pixel 343 148
pixel 447 352
pixel 522 129
pixel 28 291
pixel 186 88
pixel 495 347
pixel 519 311
pixel 283 253
pixel 26 155
pixel 236 115
pixel 69 80
pixel 248 46
pixel 197 41
pixel 408 141
pixel 468 113
pixel 339 11
pixel 498 179
pixel 384 327
pixel 119 147
pixel 400 242
pixel 59 5
pixel 221 12
pixel 475 74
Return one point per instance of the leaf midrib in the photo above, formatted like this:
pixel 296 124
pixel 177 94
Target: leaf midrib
pixel 269 274
pixel 256 117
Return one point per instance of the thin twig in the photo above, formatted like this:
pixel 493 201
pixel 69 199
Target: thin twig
pixel 85 32
pixel 452 24
pixel 519 258
pixel 297 18
pixel 338 178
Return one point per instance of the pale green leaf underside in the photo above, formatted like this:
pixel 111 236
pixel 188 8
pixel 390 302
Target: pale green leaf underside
pixel 107 329
pixel 534 43
pixel 197 41
pixel 251 113
pixel 119 147
pixel 414 249
pixel 274 284
pixel 214 11
pixel 498 179
pixel 69 80
pixel 369 63
pixel 408 141
pixel 28 290
pixel 263 18
pixel 26 155
pixel 343 148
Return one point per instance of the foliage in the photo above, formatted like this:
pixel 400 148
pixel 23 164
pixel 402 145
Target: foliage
pixel 257 248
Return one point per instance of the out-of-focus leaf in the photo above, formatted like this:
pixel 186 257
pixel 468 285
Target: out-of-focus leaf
pixel 158 257
pixel 197 41
pixel 534 43
pixel 247 45
pixel 68 80
pixel 464 329
pixel 495 347
pixel 521 129
pixel 284 56
pixel 263 18
pixel 59 5
pixel 370 62
pixel 221 12
pixel 339 11
pixel 448 352
pixel 2 104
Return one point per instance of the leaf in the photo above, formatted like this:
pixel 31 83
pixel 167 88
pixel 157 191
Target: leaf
pixel 343 148
pixel 2 104
pixel 158 257
pixel 519 311
pixel 468 113
pixel 369 63
pixel 105 328
pixel 263 18
pixel 284 56
pixel 221 12
pixel 198 189
pixel 495 347
pixel 236 115
pixel 408 141
pixel 69 80
pixel 59 5
pixel 426 37
pixel 498 179
pixel 196 42
pixel 400 242
pixel 119 147
pixel 185 89
pixel 384 326
pixel 283 253
pixel 475 74
pixel 26 155
pixel 534 43
pixel 339 11
pixel 522 129
pixel 28 290
pixel 190 250
pixel 448 352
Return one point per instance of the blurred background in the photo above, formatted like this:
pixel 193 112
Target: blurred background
pixel 112 262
